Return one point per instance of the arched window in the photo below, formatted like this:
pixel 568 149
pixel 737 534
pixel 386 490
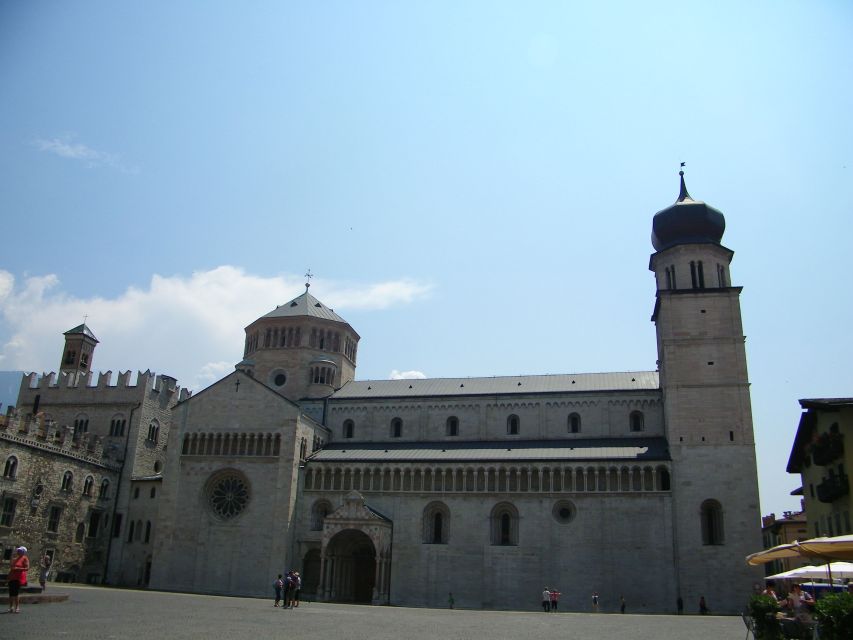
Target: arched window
pixel 10 471
pixel 130 532
pixel 349 428
pixel 105 489
pixel 504 525
pixel 81 531
pixel 81 423
pixel 138 530
pixel 452 427
pixel 436 523
pixel 153 492
pixel 117 425
pixel 636 421
pixel 663 479
pixel 319 511
pixel 396 428
pixel 147 532
pixel 574 423
pixel 711 516
pixel 153 431
pixel 67 481
pixel 512 425
pixel 88 484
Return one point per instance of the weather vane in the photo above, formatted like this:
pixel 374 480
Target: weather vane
pixel 308 276
pixel 681 172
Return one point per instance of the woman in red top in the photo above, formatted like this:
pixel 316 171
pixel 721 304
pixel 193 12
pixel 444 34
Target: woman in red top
pixel 17 577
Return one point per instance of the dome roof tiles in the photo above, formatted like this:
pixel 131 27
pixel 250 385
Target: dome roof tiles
pixel 304 305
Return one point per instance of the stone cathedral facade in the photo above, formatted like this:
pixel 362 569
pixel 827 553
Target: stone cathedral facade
pixel 637 484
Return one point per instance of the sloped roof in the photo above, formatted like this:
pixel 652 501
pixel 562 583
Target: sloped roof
pixel 81 328
pixel 558 383
pixel 637 449
pixel 304 305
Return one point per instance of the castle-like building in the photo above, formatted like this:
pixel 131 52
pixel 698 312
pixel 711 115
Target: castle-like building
pixel 635 484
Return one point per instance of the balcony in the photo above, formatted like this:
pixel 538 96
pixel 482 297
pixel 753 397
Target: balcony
pixel 828 447
pixel 833 488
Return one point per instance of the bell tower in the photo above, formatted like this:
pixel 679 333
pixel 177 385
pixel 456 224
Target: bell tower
pixel 79 349
pixel 707 410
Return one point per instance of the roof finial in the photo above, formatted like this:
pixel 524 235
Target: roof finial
pixel 85 317
pixel 308 275
pixel 682 194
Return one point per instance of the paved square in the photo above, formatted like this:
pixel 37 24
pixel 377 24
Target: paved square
pixel 95 612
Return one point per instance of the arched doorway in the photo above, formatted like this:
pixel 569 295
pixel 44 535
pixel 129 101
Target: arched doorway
pixel 311 572
pixel 353 566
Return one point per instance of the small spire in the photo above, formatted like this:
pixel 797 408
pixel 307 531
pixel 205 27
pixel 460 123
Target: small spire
pixel 682 194
pixel 308 276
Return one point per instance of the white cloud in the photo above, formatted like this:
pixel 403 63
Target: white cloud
pixel 406 375
pixel 187 327
pixel 66 147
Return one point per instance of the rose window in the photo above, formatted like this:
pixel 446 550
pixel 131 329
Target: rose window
pixel 228 496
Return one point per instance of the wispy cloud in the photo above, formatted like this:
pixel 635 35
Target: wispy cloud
pixel 66 147
pixel 406 375
pixel 189 327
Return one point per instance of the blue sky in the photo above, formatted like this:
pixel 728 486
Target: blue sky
pixel 472 183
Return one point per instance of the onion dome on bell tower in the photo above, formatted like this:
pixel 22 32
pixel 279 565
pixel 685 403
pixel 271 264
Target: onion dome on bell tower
pixel 687 221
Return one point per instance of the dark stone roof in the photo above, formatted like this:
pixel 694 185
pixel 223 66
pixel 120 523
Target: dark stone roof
pixel 305 305
pixel 81 329
pixel 688 221
pixel 554 383
pixel 569 449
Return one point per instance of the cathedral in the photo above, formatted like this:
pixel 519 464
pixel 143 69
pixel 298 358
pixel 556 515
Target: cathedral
pixel 638 484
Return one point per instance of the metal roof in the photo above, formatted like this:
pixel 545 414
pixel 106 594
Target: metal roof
pixel 558 383
pixel 304 305
pixel 638 449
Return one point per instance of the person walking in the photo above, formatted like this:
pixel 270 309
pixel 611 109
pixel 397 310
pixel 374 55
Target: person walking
pixel 278 585
pixel 679 605
pixel 44 570
pixel 19 566
pixel 595 601
pixel 546 600
pixel 450 600
pixel 703 606
pixel 621 604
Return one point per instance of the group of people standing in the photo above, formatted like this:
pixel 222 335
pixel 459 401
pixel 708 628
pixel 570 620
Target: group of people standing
pixel 19 567
pixel 550 599
pixel 287 590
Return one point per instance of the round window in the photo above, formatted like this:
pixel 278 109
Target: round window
pixel 228 495
pixel 563 511
pixel 280 379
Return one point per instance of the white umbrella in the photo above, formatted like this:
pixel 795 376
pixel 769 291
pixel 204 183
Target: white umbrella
pixel 839 570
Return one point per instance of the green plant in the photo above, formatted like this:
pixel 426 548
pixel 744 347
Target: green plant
pixel 834 613
pixel 762 610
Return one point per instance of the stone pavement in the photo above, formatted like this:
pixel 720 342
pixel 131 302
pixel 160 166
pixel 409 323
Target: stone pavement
pixel 93 613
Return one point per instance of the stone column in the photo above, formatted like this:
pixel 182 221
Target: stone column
pixel 321 588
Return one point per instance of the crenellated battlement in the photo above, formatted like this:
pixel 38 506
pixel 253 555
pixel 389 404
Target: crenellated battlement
pixel 47 435
pixel 125 383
